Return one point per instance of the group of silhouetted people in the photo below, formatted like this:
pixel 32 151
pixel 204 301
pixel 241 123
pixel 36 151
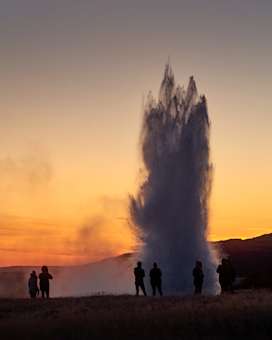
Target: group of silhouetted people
pixel 44 278
pixel 155 275
pixel 226 273
pixel 225 270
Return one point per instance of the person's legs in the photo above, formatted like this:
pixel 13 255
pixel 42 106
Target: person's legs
pixel 159 288
pixel 197 288
pixel 222 285
pixel 231 287
pixel 47 293
pixel 137 288
pixel 200 288
pixel 153 289
pixel 43 293
pixel 143 288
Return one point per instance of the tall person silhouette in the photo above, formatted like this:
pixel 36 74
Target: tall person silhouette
pixel 44 282
pixel 155 279
pixel 139 274
pixel 198 277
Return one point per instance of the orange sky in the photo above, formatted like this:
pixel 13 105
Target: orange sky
pixel 71 92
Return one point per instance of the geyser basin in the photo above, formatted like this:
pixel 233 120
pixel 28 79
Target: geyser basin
pixel 171 207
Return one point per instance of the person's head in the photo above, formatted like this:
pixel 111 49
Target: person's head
pixel 155 265
pixel 33 273
pixel 198 264
pixel 224 262
pixel 139 264
pixel 44 269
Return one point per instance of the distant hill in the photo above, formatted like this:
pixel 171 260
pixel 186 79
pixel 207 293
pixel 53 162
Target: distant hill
pixel 252 259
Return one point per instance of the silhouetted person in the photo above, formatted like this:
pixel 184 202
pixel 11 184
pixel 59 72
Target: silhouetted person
pixel 232 275
pixel 222 272
pixel 155 279
pixel 198 277
pixel 44 282
pixel 226 275
pixel 139 274
pixel 33 285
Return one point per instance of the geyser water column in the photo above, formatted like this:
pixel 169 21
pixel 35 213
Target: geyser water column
pixel 171 206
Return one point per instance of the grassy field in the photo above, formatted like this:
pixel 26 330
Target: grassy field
pixel 246 315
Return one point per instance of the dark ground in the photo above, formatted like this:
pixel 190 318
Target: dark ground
pixel 245 315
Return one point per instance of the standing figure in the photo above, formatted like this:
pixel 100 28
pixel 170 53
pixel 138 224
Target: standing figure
pixel 139 274
pixel 232 275
pixel 33 285
pixel 198 277
pixel 225 275
pixel 44 282
pixel 155 279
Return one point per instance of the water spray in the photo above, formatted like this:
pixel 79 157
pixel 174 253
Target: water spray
pixel 170 209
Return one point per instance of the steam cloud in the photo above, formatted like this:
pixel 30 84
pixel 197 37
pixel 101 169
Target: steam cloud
pixel 171 207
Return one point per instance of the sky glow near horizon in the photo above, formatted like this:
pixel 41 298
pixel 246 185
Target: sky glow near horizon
pixel 74 75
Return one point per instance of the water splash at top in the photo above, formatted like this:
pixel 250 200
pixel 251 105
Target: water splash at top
pixel 171 206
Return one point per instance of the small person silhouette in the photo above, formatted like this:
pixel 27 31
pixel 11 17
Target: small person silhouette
pixel 198 277
pixel 139 274
pixel 33 285
pixel 155 279
pixel 44 281
pixel 221 271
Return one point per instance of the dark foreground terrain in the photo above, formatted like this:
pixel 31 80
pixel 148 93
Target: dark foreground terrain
pixel 246 315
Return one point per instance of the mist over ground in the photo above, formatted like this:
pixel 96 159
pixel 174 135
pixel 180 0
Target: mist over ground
pixel 109 276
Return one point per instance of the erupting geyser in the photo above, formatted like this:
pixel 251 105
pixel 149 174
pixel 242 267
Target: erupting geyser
pixel 171 207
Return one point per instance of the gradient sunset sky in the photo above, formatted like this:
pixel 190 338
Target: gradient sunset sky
pixel 73 78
